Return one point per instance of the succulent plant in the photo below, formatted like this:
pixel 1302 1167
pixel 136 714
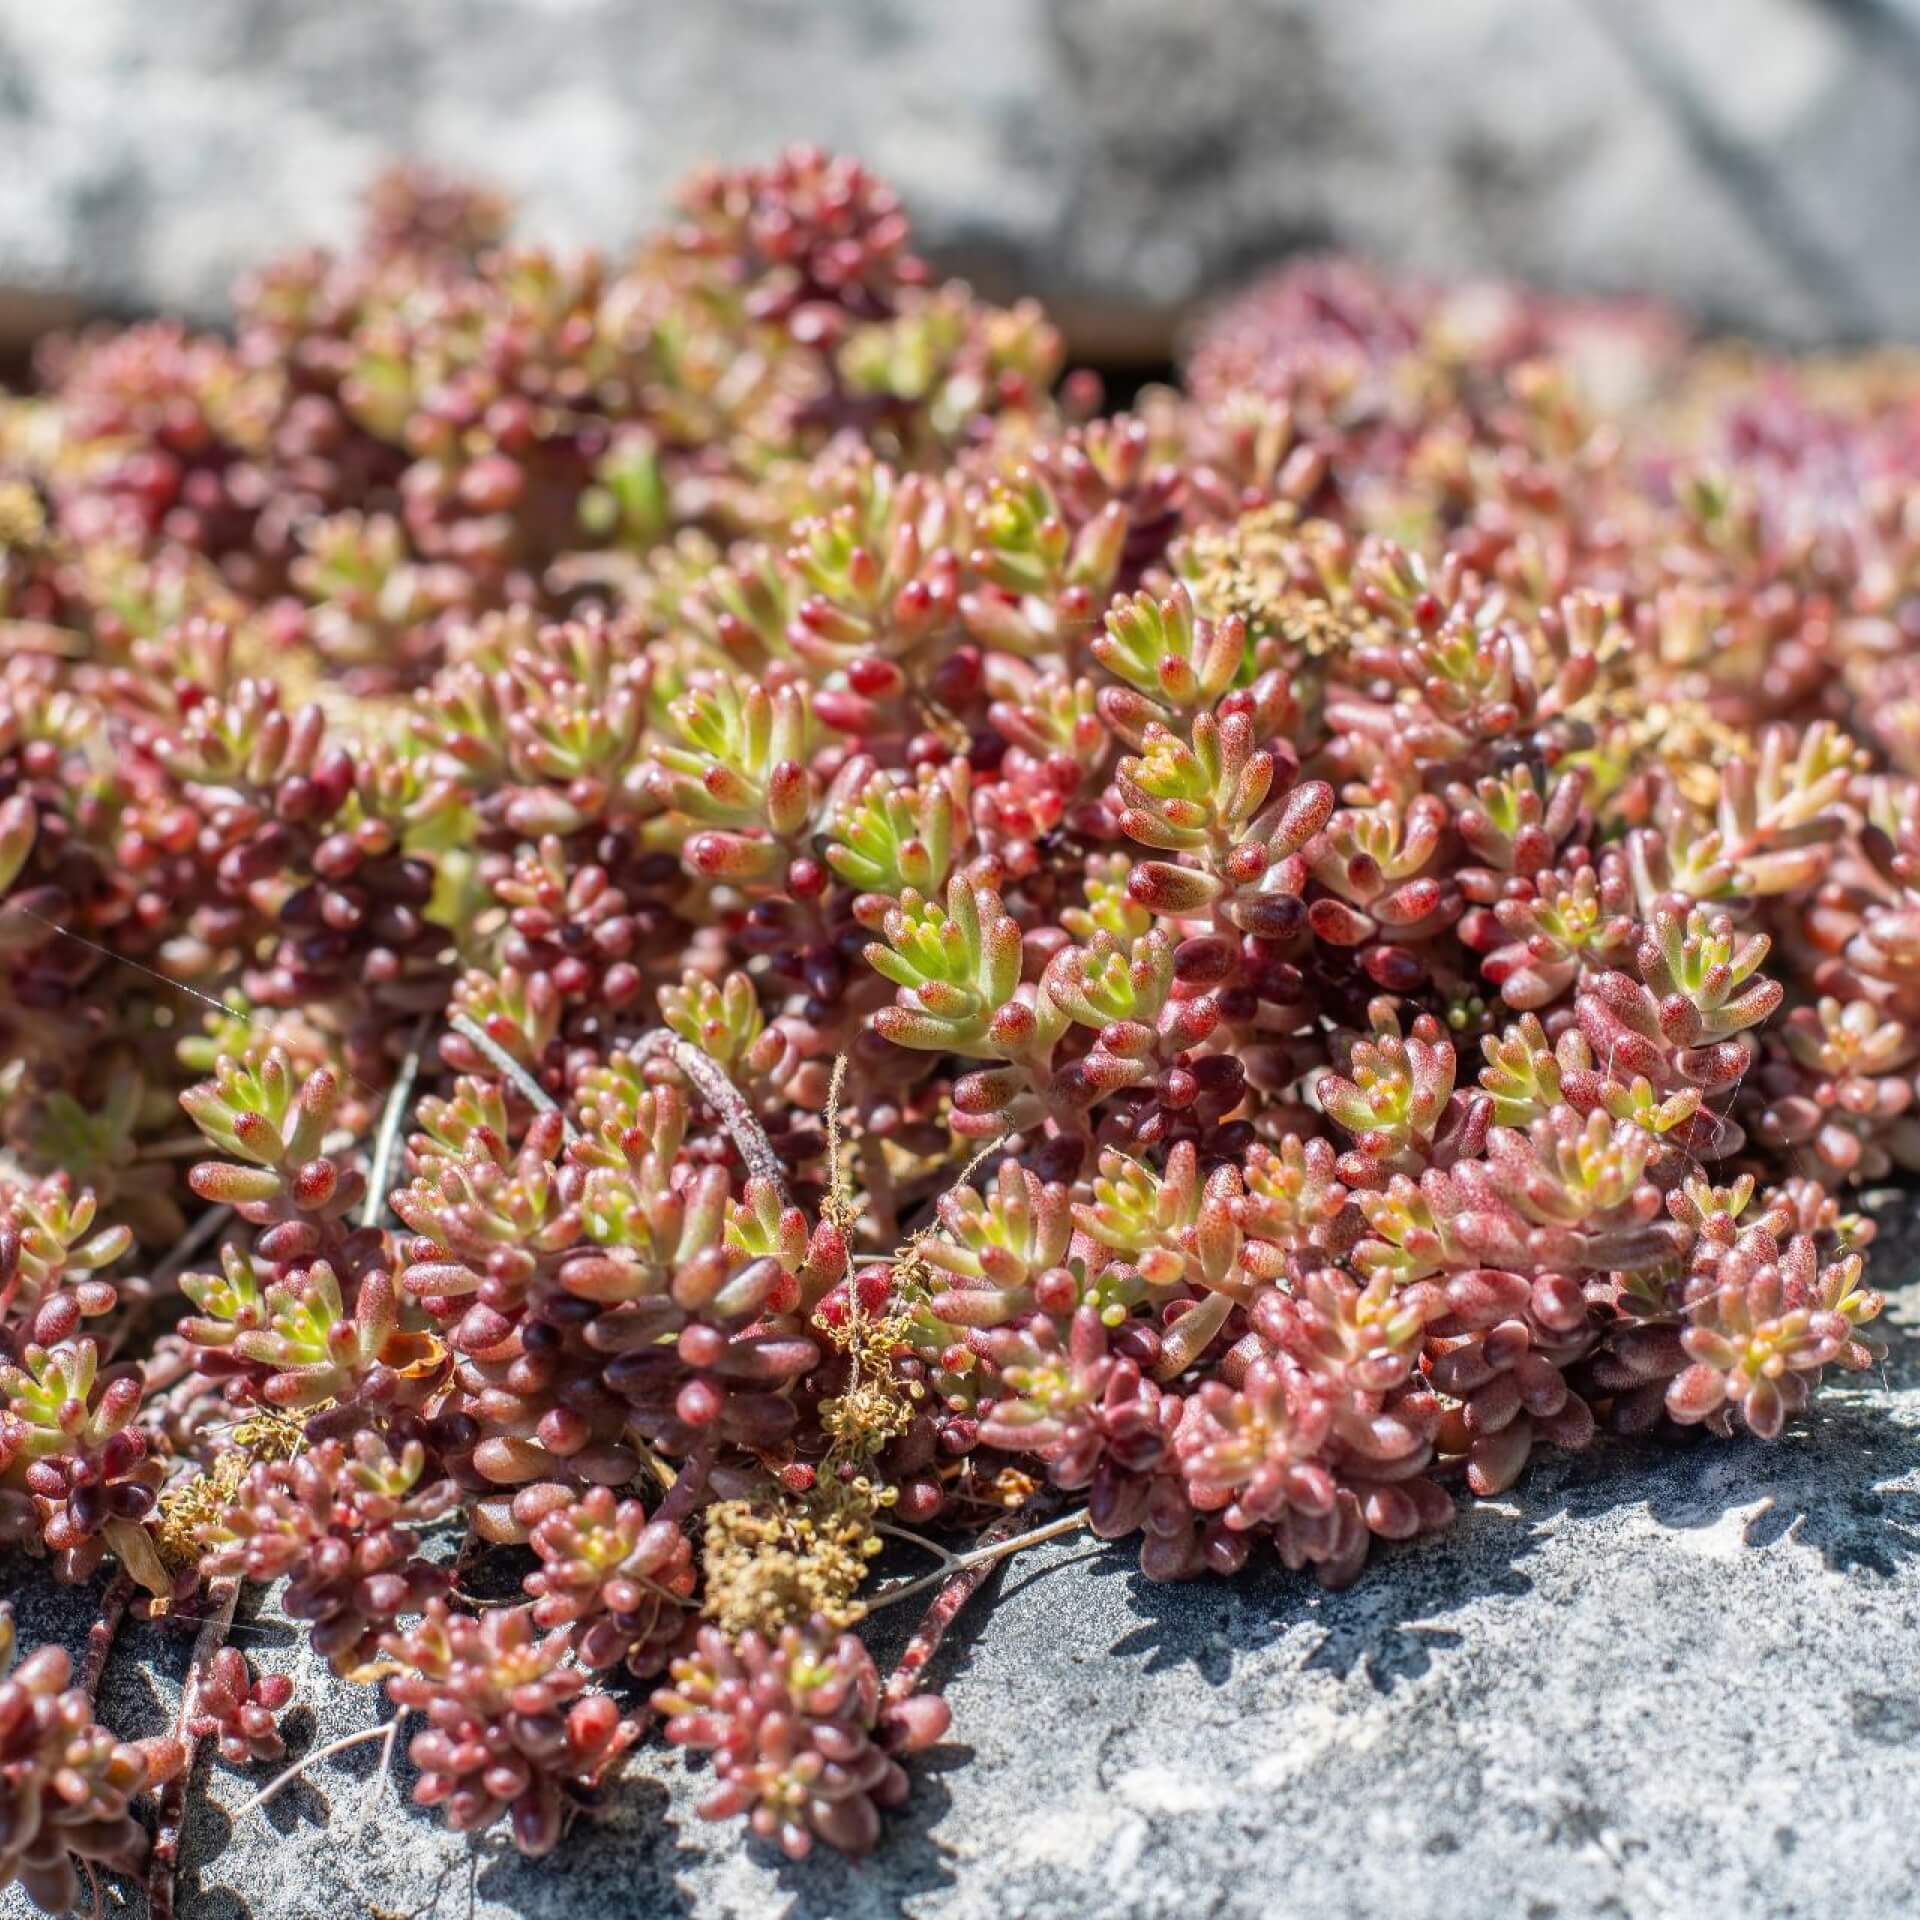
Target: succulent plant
pixel 620 1582
pixel 239 1709
pixel 66 1784
pixel 764 919
pixel 79 1479
pixel 791 1724
pixel 512 1732
pixel 333 1520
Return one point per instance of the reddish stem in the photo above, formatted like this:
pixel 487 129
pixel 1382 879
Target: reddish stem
pixel 100 1636
pixel 464 1555
pixel 164 1863
pixel 689 1483
pixel 953 1595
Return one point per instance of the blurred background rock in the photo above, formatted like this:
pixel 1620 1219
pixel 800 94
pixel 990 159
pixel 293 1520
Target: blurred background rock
pixel 1753 160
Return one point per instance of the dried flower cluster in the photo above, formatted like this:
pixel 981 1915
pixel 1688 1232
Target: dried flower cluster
pixel 1370 909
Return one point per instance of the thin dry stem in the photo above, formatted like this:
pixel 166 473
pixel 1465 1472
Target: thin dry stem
pixel 510 1069
pixel 189 1246
pixel 377 1785
pixel 711 1083
pixel 839 1207
pixel 386 1144
pixel 384 1731
pixel 985 1554
pixel 948 1560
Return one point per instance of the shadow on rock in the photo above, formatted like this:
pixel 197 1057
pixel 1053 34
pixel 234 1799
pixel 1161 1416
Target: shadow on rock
pixel 829 1886
pixel 1832 1483
pixel 1386 1626
pixel 632 1863
pixel 1827 1483
pixel 205 1838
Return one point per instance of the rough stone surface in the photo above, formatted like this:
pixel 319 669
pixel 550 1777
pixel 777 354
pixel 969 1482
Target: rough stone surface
pixel 1659 1683
pixel 1750 158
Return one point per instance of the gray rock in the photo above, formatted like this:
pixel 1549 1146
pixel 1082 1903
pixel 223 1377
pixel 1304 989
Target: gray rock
pixel 1750 158
pixel 1660 1682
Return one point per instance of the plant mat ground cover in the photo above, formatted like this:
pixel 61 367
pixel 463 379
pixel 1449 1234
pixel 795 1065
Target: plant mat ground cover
pixel 665 921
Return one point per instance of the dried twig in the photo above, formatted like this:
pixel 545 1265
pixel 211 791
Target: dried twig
pixel 189 1245
pixel 384 1731
pixel 378 1784
pixel 510 1069
pixel 393 1119
pixel 711 1083
pixel 839 1208
pixel 949 1560
pixel 976 1559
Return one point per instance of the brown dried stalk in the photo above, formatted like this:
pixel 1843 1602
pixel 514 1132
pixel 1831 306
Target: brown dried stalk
pixel 393 1117
pixel 711 1083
